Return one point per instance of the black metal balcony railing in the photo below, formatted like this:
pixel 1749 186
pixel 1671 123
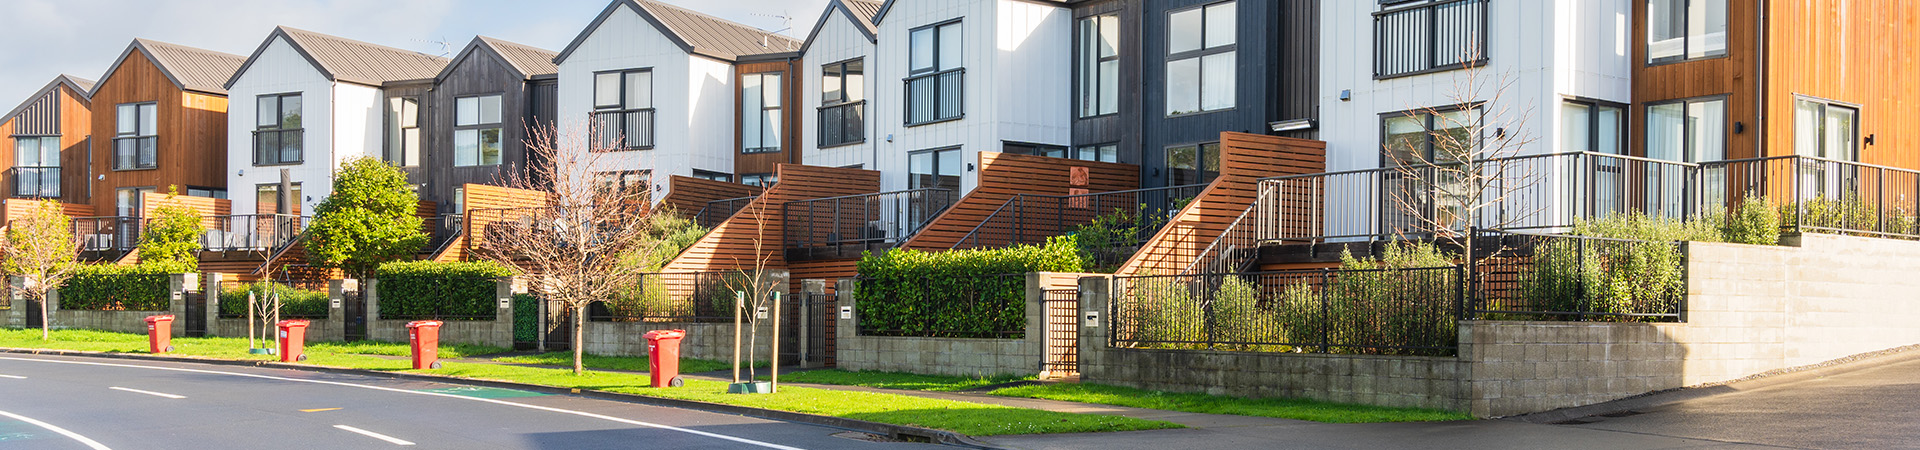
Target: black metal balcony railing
pixel 717 211
pixel 843 124
pixel 445 228
pixel 1818 194
pixel 1429 37
pixel 936 96
pixel 847 225
pixel 623 130
pixel 275 147
pixel 35 182
pixel 1110 224
pixel 254 232
pixel 107 234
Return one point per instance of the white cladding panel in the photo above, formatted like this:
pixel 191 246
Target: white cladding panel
pixel 627 41
pixel 708 115
pixel 1033 77
pixel 839 40
pixel 280 70
pixel 357 132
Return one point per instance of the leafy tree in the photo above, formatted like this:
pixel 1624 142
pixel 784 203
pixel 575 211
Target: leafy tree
pixel 368 220
pixel 41 248
pixel 171 237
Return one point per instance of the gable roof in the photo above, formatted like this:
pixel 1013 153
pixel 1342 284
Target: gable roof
pixel 888 6
pixel 695 33
pixel 860 12
pixel 342 59
pixel 81 86
pixel 525 60
pixel 189 68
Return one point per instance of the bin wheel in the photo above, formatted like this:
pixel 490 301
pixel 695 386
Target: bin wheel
pixel 435 365
pixel 676 382
pixel 302 357
pixel 169 349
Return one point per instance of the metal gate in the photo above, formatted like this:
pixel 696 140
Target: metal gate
pixel 806 333
pixel 354 304
pixel 557 325
pixel 1063 334
pixel 195 324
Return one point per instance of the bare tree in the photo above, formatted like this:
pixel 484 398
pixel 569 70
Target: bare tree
pixel 41 248
pixel 754 279
pixel 578 244
pixel 1469 179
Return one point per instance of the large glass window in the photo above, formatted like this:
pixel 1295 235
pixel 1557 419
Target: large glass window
pixel 758 179
pixel 36 166
pixel 1679 30
pixel 627 183
pixel 403 131
pixel 1099 153
pixel 267 199
pixel 1589 126
pixel 278 137
pixel 476 131
pixel 760 101
pixel 127 201
pixel 1826 130
pixel 136 136
pixel 1192 164
pixel 1687 130
pixel 623 110
pixel 1098 54
pixel 712 175
pixel 843 103
pixel 1421 137
pixel 934 169
pixel 1201 47
pixel 936 81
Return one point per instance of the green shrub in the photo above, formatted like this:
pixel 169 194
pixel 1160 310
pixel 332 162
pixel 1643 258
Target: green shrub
pixel 1380 303
pixel 111 287
pixel 1754 222
pixel 959 293
pixel 419 289
pixel 1108 234
pixel 1637 268
pixel 170 239
pixel 526 318
pixel 293 301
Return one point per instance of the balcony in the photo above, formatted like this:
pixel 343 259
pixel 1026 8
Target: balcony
pixel 623 130
pixel 1429 37
pixel 717 211
pixel 106 238
pixel 446 227
pixel 843 227
pixel 35 182
pixel 936 97
pixel 252 233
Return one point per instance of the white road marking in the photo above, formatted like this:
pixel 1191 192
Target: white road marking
pixel 435 394
pixel 152 393
pixel 395 441
pixel 63 432
pixel 16 377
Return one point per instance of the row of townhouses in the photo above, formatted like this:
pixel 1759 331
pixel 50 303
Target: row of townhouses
pixel 920 97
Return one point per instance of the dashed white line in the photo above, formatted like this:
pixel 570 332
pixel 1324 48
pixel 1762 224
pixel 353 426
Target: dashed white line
pixel 63 432
pixel 390 439
pixel 16 377
pixel 152 393
pixel 435 394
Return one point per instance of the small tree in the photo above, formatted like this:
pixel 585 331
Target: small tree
pixel 368 220
pixel 581 243
pixel 41 248
pixel 171 237
pixel 755 281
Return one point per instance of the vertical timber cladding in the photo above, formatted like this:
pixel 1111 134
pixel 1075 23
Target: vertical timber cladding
pixel 1245 159
pixel 60 111
pixel 1861 55
pixel 192 145
pixel 790 119
pixel 1733 75
pixel 756 232
pixel 486 197
pixel 1004 175
pixel 687 195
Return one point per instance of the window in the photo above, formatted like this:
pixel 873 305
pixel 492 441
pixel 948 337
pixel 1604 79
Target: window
pixel 758 179
pixel 760 113
pixel 403 131
pixel 935 85
pixel 843 103
pixel 1192 164
pixel 626 183
pixel 127 201
pixel 1421 137
pixel 934 169
pixel 1098 153
pixel 206 192
pixel 36 166
pixel 1099 56
pixel 136 137
pixel 476 131
pixel 267 199
pixel 1201 49
pixel 1826 130
pixel 1416 37
pixel 623 110
pixel 460 200
pixel 277 136
pixel 1592 126
pixel 1679 30
pixel 712 176
pixel 1050 151
pixel 1693 130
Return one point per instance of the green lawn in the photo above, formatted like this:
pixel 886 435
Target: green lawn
pixel 962 417
pixel 626 363
pixel 896 380
pixel 1286 408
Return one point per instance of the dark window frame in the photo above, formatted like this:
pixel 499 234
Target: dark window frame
pixel 42 189
pixel 1687 127
pixel 1079 152
pixel 1427 129
pixel 139 200
pixel 1202 173
pixel 1197 55
pixel 913 181
pixel 601 182
pixel 1853 154
pixel 623 109
pixel 842 105
pixel 779 143
pixel 1431 41
pixel 479 127
pixel 1086 76
pixel 279 131
pixel 710 175
pixel 400 156
pixel 1686 40
pixel 936 75
pixel 296 197
pixel 1593 122
pixel 152 140
pixel 764 179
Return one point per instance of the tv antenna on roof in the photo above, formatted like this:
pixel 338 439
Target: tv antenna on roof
pixel 786 23
pixel 446 48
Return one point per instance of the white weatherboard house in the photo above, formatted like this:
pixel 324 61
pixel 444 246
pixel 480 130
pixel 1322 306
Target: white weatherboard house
pixel 838 119
pixel 657 83
pixel 308 102
pixel 953 78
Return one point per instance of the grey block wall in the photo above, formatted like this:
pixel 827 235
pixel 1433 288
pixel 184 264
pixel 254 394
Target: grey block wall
pixel 948 356
pixel 121 321
pixel 330 329
pixel 711 341
pixel 497 332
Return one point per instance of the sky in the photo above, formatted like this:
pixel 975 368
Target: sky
pixel 45 38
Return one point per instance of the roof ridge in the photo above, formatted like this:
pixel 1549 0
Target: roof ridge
pixel 497 41
pixel 188 48
pixel 715 18
pixel 356 41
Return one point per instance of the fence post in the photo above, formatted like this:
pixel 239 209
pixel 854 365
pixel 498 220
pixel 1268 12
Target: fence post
pixel 1580 288
pixel 337 307
pixel 813 294
pixel 1034 343
pixel 503 316
pixel 1326 310
pixel 16 306
pixel 177 301
pixel 846 347
pixel 1096 294
pixel 370 292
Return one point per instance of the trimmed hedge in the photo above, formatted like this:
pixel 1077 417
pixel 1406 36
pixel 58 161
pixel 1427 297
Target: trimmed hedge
pixel 426 289
pixel 294 302
pixel 526 318
pixel 108 287
pixel 959 293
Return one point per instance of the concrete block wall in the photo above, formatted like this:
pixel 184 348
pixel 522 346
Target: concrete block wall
pixel 711 341
pixel 949 356
pixel 121 321
pixel 497 332
pixel 329 329
pixel 1521 367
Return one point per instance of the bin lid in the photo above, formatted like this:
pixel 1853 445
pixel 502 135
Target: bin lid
pixel 293 323
pixel 666 334
pixel 424 323
pixel 160 318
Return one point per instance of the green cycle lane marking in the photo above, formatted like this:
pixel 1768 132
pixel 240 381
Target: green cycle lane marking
pixel 484 392
pixel 14 431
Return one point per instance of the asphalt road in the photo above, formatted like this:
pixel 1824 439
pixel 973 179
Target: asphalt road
pixel 50 402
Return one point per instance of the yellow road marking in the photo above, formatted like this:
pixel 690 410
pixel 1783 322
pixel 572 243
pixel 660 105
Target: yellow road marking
pixel 319 409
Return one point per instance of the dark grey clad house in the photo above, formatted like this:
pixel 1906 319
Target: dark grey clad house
pixel 1155 82
pixel 470 123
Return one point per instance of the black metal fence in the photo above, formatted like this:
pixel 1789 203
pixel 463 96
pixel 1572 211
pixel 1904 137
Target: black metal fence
pixel 1374 311
pixel 1110 225
pixel 35 182
pixel 717 211
pixel 839 226
pixel 1542 277
pixel 704 297
pixel 107 234
pixel 1429 37
pixel 936 96
pixel 436 297
pixel 299 299
pixel 252 232
pixel 989 306
pixel 1820 195
pixel 446 227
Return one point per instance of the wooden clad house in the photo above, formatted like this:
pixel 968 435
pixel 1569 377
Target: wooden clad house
pixel 475 121
pixel 162 120
pixel 49 136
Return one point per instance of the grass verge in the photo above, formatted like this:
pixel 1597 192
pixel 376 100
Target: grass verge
pixel 896 380
pixel 626 363
pixel 961 417
pixel 1286 408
